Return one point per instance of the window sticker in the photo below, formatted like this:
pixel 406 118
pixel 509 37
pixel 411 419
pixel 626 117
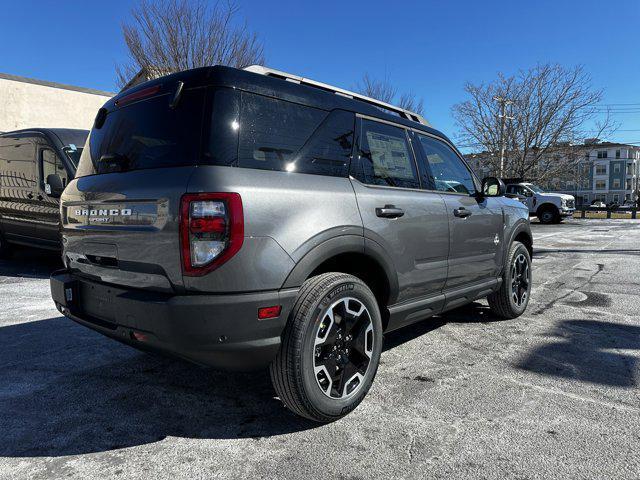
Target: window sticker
pixel 390 156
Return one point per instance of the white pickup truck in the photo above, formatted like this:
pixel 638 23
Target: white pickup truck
pixel 548 207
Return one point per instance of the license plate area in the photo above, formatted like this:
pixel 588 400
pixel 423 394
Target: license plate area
pixel 97 301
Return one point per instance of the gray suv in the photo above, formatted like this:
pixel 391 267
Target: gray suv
pixel 250 218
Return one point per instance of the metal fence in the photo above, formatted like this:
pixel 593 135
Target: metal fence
pixel 616 213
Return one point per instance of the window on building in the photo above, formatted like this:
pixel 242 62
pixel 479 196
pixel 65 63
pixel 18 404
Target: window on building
pixel 601 197
pixel 585 200
pixel 602 154
pixel 601 185
pixel 616 168
pixel 617 153
pixel 628 184
pixel 616 183
pixel 616 198
pixel 629 168
pixel 601 169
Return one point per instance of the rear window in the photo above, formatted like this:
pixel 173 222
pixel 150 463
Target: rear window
pixel 223 127
pixel 146 134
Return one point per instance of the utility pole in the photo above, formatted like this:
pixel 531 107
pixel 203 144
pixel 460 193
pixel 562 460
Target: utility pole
pixel 503 117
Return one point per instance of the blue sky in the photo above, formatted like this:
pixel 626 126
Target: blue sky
pixel 429 47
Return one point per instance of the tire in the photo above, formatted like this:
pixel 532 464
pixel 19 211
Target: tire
pixel 315 341
pixel 548 214
pixel 503 302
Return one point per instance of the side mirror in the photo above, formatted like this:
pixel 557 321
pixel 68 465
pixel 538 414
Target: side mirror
pixel 493 187
pixel 53 185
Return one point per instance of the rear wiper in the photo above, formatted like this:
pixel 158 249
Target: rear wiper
pixel 113 162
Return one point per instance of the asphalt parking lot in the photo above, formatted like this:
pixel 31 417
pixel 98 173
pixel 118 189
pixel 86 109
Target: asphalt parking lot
pixel 552 394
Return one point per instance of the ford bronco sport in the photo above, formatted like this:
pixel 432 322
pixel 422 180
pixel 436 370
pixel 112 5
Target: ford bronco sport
pixel 251 218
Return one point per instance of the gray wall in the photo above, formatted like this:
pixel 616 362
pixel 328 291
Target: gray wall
pixel 27 103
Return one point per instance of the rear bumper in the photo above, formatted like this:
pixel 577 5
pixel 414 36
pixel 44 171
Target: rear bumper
pixel 221 331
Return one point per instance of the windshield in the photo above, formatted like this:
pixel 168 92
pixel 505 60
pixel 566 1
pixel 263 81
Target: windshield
pixel 73 153
pixel 535 188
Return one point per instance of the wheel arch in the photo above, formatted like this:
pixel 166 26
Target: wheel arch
pixel 353 255
pixel 521 233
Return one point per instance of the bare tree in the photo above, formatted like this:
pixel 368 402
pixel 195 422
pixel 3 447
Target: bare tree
pixel 168 36
pixel 549 108
pixel 384 91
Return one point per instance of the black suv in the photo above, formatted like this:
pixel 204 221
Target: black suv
pixel 245 219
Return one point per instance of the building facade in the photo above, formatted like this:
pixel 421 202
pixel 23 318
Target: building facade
pixel 603 171
pixel 608 172
pixel 30 103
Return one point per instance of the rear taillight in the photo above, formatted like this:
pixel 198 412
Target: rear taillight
pixel 211 230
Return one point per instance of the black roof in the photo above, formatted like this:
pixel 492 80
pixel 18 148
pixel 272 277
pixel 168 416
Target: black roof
pixel 270 86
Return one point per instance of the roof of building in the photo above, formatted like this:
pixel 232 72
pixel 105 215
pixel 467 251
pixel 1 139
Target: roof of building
pixel 45 83
pixel 580 146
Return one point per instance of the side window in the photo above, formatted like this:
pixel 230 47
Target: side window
pixel 448 171
pixel 51 164
pixel 273 131
pixel 328 151
pixel 385 156
pixel 17 155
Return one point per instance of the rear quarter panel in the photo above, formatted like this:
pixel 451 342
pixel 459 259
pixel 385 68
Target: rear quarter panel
pixel 286 215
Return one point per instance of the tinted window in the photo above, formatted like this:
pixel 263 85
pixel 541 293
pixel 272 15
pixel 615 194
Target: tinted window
pixel 273 131
pixel 146 134
pixel 17 157
pixel 328 151
pixel 224 123
pixel 51 164
pixel 448 172
pixel 385 156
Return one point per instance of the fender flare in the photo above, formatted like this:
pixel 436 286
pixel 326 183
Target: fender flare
pixel 340 245
pixel 521 226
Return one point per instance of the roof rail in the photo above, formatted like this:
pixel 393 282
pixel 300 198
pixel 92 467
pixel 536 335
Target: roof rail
pixel 270 72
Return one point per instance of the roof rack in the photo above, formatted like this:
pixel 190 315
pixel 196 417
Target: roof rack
pixel 270 72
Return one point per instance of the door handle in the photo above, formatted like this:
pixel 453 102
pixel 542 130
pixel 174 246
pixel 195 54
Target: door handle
pixel 461 212
pixel 389 211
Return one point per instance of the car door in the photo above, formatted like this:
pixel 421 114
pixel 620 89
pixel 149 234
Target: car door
pixel 475 222
pixel 18 186
pixel 410 224
pixel 48 206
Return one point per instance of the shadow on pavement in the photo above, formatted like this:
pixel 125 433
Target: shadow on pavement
pixel 588 351
pixel 30 263
pixel 65 390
